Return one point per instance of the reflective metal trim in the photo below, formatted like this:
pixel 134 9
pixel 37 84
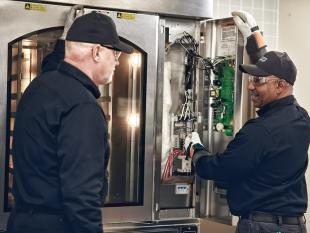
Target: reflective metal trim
pixel 181 8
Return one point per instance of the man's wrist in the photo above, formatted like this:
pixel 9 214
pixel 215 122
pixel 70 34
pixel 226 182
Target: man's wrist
pixel 197 147
pixel 255 41
pixel 255 28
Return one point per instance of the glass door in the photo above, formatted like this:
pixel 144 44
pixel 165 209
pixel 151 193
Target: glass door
pixel 127 129
pixel 122 101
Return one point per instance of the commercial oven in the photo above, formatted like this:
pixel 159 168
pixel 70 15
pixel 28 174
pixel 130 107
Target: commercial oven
pixel 182 77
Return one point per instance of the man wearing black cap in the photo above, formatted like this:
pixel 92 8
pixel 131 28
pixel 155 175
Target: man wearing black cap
pixel 275 69
pixel 264 165
pixel 60 147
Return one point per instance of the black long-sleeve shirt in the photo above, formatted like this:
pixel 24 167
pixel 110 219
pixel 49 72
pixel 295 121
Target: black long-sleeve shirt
pixel 60 148
pixel 265 164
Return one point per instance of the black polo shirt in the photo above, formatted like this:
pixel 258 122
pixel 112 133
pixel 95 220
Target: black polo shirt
pixel 60 147
pixel 265 164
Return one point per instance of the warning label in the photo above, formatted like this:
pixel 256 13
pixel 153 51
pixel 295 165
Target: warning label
pixel 228 33
pixel 227 45
pixel 125 15
pixel 35 7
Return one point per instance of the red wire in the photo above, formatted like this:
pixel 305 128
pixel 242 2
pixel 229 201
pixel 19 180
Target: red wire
pixel 171 157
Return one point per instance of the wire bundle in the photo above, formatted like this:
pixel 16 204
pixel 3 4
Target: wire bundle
pixel 171 157
pixel 186 113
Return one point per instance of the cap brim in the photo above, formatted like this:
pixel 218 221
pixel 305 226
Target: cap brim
pixel 253 70
pixel 123 47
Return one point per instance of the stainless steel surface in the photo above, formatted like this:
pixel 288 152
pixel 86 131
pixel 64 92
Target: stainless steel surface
pixel 242 106
pixel 171 200
pixel 221 140
pixel 209 30
pixel 28 21
pixel 159 113
pixel 177 213
pixel 135 227
pixel 174 67
pixel 218 141
pixel 213 198
pixel 180 8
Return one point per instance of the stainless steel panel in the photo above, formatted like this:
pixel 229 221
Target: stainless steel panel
pixel 171 81
pixel 173 225
pixel 180 8
pixel 213 198
pixel 177 213
pixel 171 200
pixel 159 113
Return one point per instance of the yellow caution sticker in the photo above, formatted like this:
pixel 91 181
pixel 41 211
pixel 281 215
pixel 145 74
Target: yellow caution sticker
pixel 35 7
pixel 126 15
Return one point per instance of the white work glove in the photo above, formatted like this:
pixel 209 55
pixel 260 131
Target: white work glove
pixel 245 23
pixel 75 12
pixel 255 43
pixel 191 140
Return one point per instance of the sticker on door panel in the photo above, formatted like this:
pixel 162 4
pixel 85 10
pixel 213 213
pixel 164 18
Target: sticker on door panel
pixel 228 33
pixel 182 188
pixel 35 7
pixel 125 15
pixel 227 45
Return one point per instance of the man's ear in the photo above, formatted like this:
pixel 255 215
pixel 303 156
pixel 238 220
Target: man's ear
pixel 281 86
pixel 96 53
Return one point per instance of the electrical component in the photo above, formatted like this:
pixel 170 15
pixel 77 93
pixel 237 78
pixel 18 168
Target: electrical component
pixel 192 56
pixel 182 165
pixel 223 96
pixel 185 121
pixel 171 157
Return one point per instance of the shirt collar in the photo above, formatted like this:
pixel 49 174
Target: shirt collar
pixel 74 72
pixel 277 103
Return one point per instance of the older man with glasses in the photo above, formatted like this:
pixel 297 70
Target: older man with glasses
pixel 60 145
pixel 264 165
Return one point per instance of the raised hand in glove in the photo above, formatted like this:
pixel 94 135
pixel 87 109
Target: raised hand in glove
pixel 190 141
pixel 247 25
pixel 245 22
pixel 75 12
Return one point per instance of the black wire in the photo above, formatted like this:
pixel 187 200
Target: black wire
pixel 192 56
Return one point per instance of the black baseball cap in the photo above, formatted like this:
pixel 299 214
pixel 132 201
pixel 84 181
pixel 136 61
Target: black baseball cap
pixel 273 63
pixel 97 28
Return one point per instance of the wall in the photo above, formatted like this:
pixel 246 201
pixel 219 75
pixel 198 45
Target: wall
pixel 294 37
pixel 266 13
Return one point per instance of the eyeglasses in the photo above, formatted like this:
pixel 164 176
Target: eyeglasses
pixel 257 81
pixel 117 54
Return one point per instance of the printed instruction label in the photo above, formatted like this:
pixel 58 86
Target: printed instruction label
pixel 228 33
pixel 227 44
